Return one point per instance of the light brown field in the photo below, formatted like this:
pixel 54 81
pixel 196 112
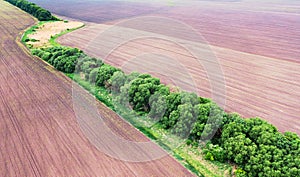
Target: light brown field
pixel 40 135
pixel 45 31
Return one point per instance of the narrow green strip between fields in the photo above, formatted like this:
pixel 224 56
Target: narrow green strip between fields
pixel 154 133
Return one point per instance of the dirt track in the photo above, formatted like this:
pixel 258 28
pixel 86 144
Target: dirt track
pixel 39 133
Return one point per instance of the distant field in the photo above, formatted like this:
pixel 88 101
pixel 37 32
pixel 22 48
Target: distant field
pixel 98 10
pixel 263 33
pixel 39 132
pixel 265 28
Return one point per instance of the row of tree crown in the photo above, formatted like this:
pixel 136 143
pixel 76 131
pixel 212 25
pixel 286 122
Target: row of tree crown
pixel 33 9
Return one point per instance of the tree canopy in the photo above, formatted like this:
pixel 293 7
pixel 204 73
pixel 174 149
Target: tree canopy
pixel 33 9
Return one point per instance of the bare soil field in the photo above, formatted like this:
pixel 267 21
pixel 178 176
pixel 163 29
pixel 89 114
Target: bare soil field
pixel 267 28
pixel 266 33
pixel 40 135
pixel 99 10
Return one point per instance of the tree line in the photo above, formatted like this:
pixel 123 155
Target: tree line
pixel 253 144
pixel 33 9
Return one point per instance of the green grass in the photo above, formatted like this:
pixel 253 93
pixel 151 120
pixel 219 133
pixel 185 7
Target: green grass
pixel 198 167
pixel 52 40
pixel 31 30
pixel 99 92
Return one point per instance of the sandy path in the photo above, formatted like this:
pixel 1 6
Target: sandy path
pixel 43 34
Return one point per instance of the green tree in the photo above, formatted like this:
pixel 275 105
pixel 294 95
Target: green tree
pixel 93 75
pixel 104 74
pixel 117 80
pixel 46 56
pixel 186 120
pixel 239 148
pixel 173 101
pixel 40 13
pixel 158 105
pixel 140 91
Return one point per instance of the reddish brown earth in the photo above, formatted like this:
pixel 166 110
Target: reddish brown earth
pixel 267 28
pixel 40 135
pixel 257 48
pixel 98 10
pixel 265 33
